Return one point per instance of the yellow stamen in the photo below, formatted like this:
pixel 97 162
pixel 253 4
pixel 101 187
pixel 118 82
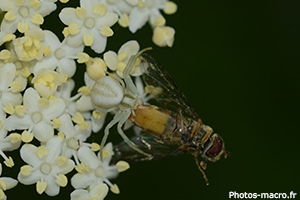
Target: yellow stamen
pixel 41 151
pixel 41 187
pixel 97 115
pixel 19 109
pixel 25 72
pixel 14 137
pixel 124 20
pixel 62 180
pixel 5 54
pixel 115 189
pixel 121 66
pixel 47 51
pixel 35 4
pixel 25 170
pixel 140 4
pixel 88 39
pixel 23 27
pixel 43 102
pixel 27 137
pixel 73 29
pixel 61 160
pixel 80 12
pixel 100 9
pixel 56 123
pixel 37 19
pixel 66 31
pixel 160 20
pixel 105 153
pixel 170 8
pixel 122 166
pixel 122 56
pixel 9 109
pixel 8 37
pixel 2 195
pixel 9 163
pixel 106 31
pixel 95 146
pixel 10 16
pixel 85 90
pixel 15 86
pixel 83 57
pixel 18 2
pixel 3 185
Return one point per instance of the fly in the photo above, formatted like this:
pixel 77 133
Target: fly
pixel 171 129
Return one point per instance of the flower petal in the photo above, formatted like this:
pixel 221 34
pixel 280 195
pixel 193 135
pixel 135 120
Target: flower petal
pixel 88 157
pixel 52 188
pixel 82 180
pixel 131 47
pixel 80 194
pixel 28 154
pixel 34 177
pixel 99 191
pixel 55 108
pixel 111 60
pixel 54 148
pixel 138 18
pixel 43 131
pixel 30 99
pixel 14 122
pixel 10 182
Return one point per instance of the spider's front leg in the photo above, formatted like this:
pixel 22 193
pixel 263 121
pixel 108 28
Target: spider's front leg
pixel 125 138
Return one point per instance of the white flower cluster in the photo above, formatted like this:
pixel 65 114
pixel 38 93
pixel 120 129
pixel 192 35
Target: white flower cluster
pixel 36 105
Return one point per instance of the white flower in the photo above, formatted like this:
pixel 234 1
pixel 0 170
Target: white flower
pixel 98 171
pixel 7 143
pixel 163 36
pixel 121 7
pixel 89 24
pixel 98 192
pixel 62 55
pixel 24 15
pixel 46 167
pixel 9 88
pixel 64 91
pixel 117 62
pixel 149 10
pixel 46 82
pixel 6 183
pixel 29 47
pixel 35 115
pixel 74 137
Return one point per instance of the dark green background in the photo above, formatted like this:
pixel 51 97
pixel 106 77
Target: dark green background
pixel 238 64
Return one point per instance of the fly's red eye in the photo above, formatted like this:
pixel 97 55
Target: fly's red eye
pixel 216 148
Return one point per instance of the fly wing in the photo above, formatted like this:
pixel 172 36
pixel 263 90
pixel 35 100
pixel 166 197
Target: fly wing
pixel 162 87
pixel 149 144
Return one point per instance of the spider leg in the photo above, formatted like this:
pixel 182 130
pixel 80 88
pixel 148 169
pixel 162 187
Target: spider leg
pixel 116 118
pixel 129 83
pixel 125 138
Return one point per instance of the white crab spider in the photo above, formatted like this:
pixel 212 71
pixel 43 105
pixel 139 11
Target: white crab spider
pixel 108 92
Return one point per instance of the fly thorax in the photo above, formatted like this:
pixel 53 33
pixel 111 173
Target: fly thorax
pixel 128 102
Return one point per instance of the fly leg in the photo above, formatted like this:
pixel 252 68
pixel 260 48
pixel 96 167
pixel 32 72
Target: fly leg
pixel 199 167
pixel 195 129
pixel 205 137
pixel 178 113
